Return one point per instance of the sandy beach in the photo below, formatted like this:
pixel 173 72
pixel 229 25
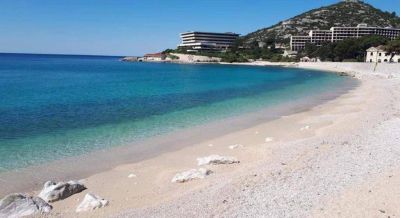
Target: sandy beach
pixel 338 159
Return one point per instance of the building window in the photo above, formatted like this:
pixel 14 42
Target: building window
pixel 379 61
pixel 372 53
pixel 385 60
pixel 370 60
pixel 380 54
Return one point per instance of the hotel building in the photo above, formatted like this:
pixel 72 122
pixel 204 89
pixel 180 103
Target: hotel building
pixel 207 41
pixel 335 34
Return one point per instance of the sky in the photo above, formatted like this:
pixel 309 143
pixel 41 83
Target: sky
pixel 135 27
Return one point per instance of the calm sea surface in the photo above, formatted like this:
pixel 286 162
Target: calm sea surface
pixel 55 106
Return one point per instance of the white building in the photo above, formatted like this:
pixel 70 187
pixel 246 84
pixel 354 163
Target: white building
pixel 208 41
pixel 335 34
pixel 379 55
pixel 298 43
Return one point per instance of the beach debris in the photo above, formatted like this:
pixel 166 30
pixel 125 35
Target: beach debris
pixel 216 159
pixel 20 205
pixel 185 176
pixel 131 175
pixel 91 202
pixel 269 139
pixel 235 146
pixel 53 191
pixel 304 128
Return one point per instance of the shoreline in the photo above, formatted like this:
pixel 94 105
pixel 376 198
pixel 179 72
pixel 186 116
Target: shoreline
pixel 32 178
pixel 152 193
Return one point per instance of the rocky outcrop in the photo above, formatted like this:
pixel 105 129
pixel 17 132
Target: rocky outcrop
pixel 91 202
pixel 130 59
pixel 216 159
pixel 20 205
pixel 57 191
pixel 344 13
pixel 191 174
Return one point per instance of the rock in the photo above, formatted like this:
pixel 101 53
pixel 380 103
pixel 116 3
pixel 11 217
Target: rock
pixel 191 174
pixel 216 159
pixel 210 145
pixel 131 175
pixel 91 202
pixel 269 139
pixel 57 191
pixel 235 146
pixel 19 205
pixel 305 128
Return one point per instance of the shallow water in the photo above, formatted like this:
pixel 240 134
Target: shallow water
pixel 53 107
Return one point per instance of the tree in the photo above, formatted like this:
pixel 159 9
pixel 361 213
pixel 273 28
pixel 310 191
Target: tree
pixel 393 47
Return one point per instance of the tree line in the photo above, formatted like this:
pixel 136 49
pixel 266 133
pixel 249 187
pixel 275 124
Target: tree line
pixel 352 49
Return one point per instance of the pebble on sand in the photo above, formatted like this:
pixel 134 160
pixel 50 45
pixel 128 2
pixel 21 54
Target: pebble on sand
pixel 216 159
pixel 185 176
pixel 21 205
pixel 305 128
pixel 235 146
pixel 131 175
pixel 91 202
pixel 53 191
pixel 269 139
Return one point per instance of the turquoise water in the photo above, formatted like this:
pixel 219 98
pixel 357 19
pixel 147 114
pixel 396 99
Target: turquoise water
pixel 59 106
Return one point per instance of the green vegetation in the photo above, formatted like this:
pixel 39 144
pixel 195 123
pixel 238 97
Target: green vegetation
pixel 346 50
pixel 242 53
pixel 393 47
pixel 339 14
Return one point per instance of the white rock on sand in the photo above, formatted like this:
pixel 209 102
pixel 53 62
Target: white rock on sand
pixel 91 202
pixel 57 191
pixel 131 175
pixel 216 159
pixel 235 146
pixel 269 139
pixel 200 173
pixel 305 128
pixel 20 205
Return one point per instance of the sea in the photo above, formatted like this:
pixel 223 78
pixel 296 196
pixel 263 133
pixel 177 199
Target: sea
pixel 59 106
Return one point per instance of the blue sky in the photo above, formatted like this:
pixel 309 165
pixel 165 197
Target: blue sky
pixel 122 27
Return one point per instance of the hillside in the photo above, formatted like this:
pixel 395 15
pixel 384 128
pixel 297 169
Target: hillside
pixel 344 13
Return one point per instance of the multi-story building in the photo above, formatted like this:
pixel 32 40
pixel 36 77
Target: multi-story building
pixel 298 43
pixel 335 34
pixel 200 41
pixel 318 37
pixel 379 55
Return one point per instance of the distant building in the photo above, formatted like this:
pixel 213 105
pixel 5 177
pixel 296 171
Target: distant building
pixel 335 34
pixel 379 55
pixel 207 41
pixel 307 59
pixel 298 43
pixel 154 57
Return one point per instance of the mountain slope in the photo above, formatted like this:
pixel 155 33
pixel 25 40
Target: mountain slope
pixel 344 13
